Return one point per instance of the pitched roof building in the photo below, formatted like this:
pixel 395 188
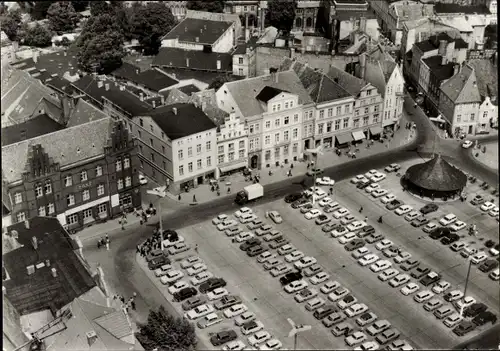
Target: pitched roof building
pixel 152 79
pixel 32 128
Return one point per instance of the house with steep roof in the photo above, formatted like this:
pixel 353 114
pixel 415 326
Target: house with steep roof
pixel 487 83
pixel 151 80
pixel 459 102
pixel 32 128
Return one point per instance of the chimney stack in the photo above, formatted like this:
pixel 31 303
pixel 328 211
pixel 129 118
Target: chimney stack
pixel 106 86
pixel 34 242
pixel 100 84
pixel 154 103
pixel 362 66
pixel 187 61
pixel 218 64
pixel 442 48
pixel 174 110
pixel 163 100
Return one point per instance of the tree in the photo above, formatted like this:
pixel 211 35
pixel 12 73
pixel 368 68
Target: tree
pixel 165 332
pixel 10 23
pixel 208 6
pixel 80 6
pixel 62 17
pixel 149 23
pixel 98 8
pixel 38 36
pixel 219 81
pixel 100 45
pixel 39 10
pixel 281 14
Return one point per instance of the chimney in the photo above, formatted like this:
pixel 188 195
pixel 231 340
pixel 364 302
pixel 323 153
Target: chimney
pixel 35 56
pixel 163 100
pixel 444 60
pixel 362 24
pixel 154 103
pixel 141 96
pixel 174 110
pixel 274 74
pixel 362 66
pixel 218 64
pixel 100 84
pixel 106 86
pixel 34 242
pixel 442 48
pixel 54 272
pixel 187 61
pixel 27 224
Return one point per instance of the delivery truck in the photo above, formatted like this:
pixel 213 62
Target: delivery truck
pixel 249 193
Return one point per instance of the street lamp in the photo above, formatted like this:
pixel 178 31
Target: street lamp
pixel 296 329
pixel 161 192
pixel 315 153
pixel 465 287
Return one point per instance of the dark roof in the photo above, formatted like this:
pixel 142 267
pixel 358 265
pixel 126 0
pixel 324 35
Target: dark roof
pixel 39 125
pixel 40 290
pixel 454 8
pixel 436 174
pixel 460 44
pixel 202 76
pixel 242 48
pixel 189 120
pixel 151 79
pixel 425 46
pixel 433 42
pixel 267 93
pixel 206 31
pixel 189 89
pixel 125 100
pixel 195 60
pixel 348 82
pixel 441 72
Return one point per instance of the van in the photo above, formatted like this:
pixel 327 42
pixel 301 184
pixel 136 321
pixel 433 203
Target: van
pixel 315 303
pixel 494 274
pixel 443 311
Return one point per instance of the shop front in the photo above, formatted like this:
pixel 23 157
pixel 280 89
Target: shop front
pixel 233 166
pixel 85 215
pixel 375 132
pixel 358 137
pixel 343 140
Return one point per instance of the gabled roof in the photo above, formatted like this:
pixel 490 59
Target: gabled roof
pixel 32 128
pixel 462 87
pixel 174 95
pixel 53 64
pixel 267 93
pixel 206 31
pixel 85 112
pixel 195 60
pixel 152 79
pixel 348 82
pixel 244 92
pixel 65 147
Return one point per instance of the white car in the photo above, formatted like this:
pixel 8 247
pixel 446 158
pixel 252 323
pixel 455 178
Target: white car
pixel 142 179
pixel 199 311
pixel 371 173
pixel 372 187
pixel 225 224
pixel 305 262
pixel 171 277
pixel 393 167
pixel 356 310
pixel 272 235
pixel 347 238
pixel 178 248
pixel 347 219
pixel 355 338
pixel 423 296
pixel 388 198
pixel 325 201
pixel 305 295
pixel 244 318
pixel 217 293
pixel 403 210
pixel 402 257
pixel 190 261
pixel 355 226
pixel 220 218
pixel 487 206
pixel 296 286
pixel 341 213
pixel 458 225
pixel 196 268
pixel 266 228
pixel 275 217
pixel 201 278
pixel 479 257
pixel 467 144
pixel 236 345
pixel 241 237
pixel 265 256
pixel 329 286
pixel 160 272
pixel 235 310
pixel 319 194
pixel 494 212
pixel 453 320
pixel 453 295
pixel 247 218
pixel 259 338
pixel 325 181
pixel 465 302
pixel 359 178
pixel 399 280
pixel 429 227
pixel 379 192
pixel 368 259
pixel 380 266
pixel 410 288
pixel 339 232
pixel 271 263
pixel 448 219
pixel 388 274
pixel 273 344
pixel 384 244
pixel 368 345
pixel 378 177
pixel 242 211
pixel 319 278
pixel 440 287
pixel 252 327
pixel 286 249
pixel 362 251
pixel 294 256
pixel 312 214
pixel 412 215
pixel 178 286
pixel 338 293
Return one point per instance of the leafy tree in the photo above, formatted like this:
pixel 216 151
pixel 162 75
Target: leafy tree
pixel 98 8
pixel 80 6
pixel 166 332
pixel 65 42
pixel 39 10
pixel 38 36
pixel 219 81
pixel 62 17
pixel 10 23
pixel 281 13
pixel 100 45
pixel 149 23
pixel 208 6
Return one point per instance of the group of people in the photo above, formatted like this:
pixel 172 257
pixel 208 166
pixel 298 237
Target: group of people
pixel 103 242
pixel 126 304
pixel 151 211
pixel 152 243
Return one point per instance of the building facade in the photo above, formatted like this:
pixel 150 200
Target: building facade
pixel 306 15
pixel 232 145
pixel 244 61
pixel 330 118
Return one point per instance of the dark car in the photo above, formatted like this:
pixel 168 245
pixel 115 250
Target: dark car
pixel 464 327
pixel 450 239
pixel 438 233
pixel 292 197
pixel 373 238
pixel 419 272
pixel 185 293
pixel 488 265
pixel 429 208
pixel 290 277
pixel 256 250
pixel 475 309
pixel 363 184
pixel 485 317
pixel 419 221
pixel 478 200
pixel 324 311
pixel 394 204
pixel 489 244
pixel 227 301
pixel 306 208
pixel 193 302
pixel 354 244
pixel 409 264
pixel 212 284
pixel 299 202
pixel 278 242
pixel 366 230
pixel 249 243
pixel 158 262
pixel 430 278
pixel 222 337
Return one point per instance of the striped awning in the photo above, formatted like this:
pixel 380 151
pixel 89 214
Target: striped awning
pixel 358 135
pixel 344 138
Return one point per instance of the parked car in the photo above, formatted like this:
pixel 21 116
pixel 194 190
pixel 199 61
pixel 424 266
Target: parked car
pixel 290 277
pixel 305 294
pixel 366 318
pixel 184 294
pixel 227 301
pixel 211 284
pixel 464 327
pixel 275 217
pixel 485 317
pixel 429 208
pixel 475 309
pixel 223 337
pixel 387 335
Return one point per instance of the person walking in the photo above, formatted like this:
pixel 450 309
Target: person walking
pixel 194 198
pixel 366 219
pixel 99 243
pixel 132 304
pixel 196 248
pixel 107 244
pixel 361 209
pixel 330 191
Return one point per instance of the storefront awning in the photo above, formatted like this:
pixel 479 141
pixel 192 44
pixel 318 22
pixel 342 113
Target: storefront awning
pixel 358 135
pixel 375 130
pixel 344 138
pixel 233 166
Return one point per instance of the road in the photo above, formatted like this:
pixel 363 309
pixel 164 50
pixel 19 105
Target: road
pixel 119 262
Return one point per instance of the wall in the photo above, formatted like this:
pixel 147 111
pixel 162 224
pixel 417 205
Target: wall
pixel 175 43
pixel 487 112
pixel 326 115
pixel 226 42
pixel 464 111
pixel 393 104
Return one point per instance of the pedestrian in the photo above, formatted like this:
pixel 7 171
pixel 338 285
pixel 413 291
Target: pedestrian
pixel 107 243
pixel 308 165
pixel 291 166
pixel 331 191
pixel 194 198
pixel 196 248
pixel 122 221
pixel 228 190
pixel 218 192
pixel 361 209
pixel 132 304
pixel 107 237
pixel 134 294
pixel 122 299
pixel 179 197
pixel 137 249
pixel 366 219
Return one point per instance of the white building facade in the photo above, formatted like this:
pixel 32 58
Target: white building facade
pixel 330 118
pixel 232 145
pixel 394 98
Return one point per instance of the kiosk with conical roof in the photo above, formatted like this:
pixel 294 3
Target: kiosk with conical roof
pixel 435 178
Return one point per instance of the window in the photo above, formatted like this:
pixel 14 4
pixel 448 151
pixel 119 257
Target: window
pixel 356 112
pixel 70 199
pixel 240 60
pixel 286 104
pixel 367 109
pixel 274 108
pixel 356 123
pixel 38 191
pixel 18 198
pixel 230 156
pixel 375 118
pixel 118 165
pixel 198 149
pixel 251 128
pixel 305 131
pixel 368 92
pixel 322 114
pixel 329 127
pixel 337 124
pixel 209 161
pixel 310 129
pixel 330 112
pixel 295 133
pixel 100 190
pixel 72 219
pixel 41 211
pixel 365 120
pixel 338 112
pixel 98 171
pixel 120 184
pixel 190 167
pixel 162 135
pixel 472 116
pixel 126 163
pixel 285 150
pixel 140 148
pixel 190 151
pixel 295 118
pixel 101 208
pixel 21 216
pixel 48 187
pixel 285 135
pixel 346 123
pixel 372 100
pixel 151 127
pixel 208 145
pixel 141 122
pixel 295 147
pixel 286 120
pixel 83 176
pixel 140 134
pixel 68 181
pixel 128 181
pixel 485 114
pixel 163 149
pixel 268 124
pixel 86 195
pixel 277 153
pixel 241 154
pixel 198 163
pixel 180 154
pixel 181 170
pixel 278 107
pixel 346 109
pixel 277 122
pixel 375 108
pixel 320 128
pixel 51 208
pixel 268 155
pixel 241 144
pixel 459 118
pixel 230 146
pixel 267 140
pixel 220 159
pixel 151 142
pixel 277 137
pixel 291 104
